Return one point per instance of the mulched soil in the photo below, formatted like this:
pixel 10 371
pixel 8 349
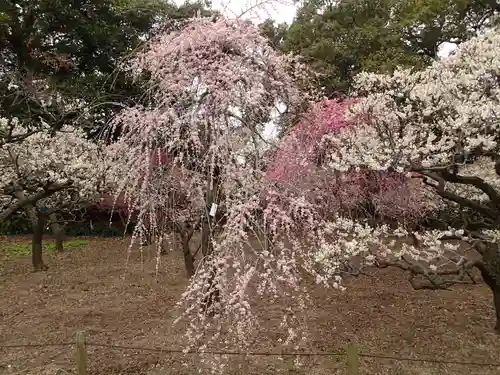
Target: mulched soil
pixel 84 289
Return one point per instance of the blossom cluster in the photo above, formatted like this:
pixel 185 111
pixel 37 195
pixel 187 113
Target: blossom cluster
pixel 428 118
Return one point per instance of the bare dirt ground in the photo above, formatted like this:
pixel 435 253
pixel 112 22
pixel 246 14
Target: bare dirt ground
pixel 84 290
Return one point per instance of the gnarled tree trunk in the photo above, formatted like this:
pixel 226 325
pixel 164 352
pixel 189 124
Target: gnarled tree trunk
pixel 495 289
pixel 185 234
pixel 496 300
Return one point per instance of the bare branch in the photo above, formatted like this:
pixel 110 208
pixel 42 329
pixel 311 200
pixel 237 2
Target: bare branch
pixel 19 204
pixel 477 182
pixel 439 279
pixel 483 209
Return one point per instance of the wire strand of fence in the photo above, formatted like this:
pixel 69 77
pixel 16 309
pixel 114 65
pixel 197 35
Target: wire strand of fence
pixel 220 352
pixel 35 345
pixel 261 353
pixel 430 360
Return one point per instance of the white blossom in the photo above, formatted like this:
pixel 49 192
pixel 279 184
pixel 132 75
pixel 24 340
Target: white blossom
pixel 44 159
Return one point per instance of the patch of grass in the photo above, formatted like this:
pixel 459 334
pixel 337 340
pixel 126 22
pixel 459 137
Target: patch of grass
pixel 20 249
pixel 51 245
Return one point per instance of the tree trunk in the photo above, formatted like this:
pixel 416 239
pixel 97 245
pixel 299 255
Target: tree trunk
pixel 184 233
pixel 163 246
pixel 188 258
pixel 490 271
pixel 496 300
pixel 38 223
pixel 212 299
pixel 495 290
pixel 206 248
pixel 147 240
pixel 58 232
pixel 123 221
pixel 206 226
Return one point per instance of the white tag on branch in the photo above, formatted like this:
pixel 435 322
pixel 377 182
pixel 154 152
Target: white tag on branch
pixel 213 210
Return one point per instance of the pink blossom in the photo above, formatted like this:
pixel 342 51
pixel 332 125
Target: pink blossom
pixel 297 167
pixel 299 150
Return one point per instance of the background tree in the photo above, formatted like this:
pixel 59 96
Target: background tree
pixel 59 59
pixel 73 49
pixel 342 38
pixel 44 173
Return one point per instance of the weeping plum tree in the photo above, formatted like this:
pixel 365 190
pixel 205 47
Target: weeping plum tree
pixel 45 172
pixel 183 164
pixel 441 125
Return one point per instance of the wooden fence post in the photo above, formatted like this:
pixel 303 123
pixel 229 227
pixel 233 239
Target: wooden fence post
pixel 81 354
pixel 352 359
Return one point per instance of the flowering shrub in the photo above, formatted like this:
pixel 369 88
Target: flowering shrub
pixel 299 151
